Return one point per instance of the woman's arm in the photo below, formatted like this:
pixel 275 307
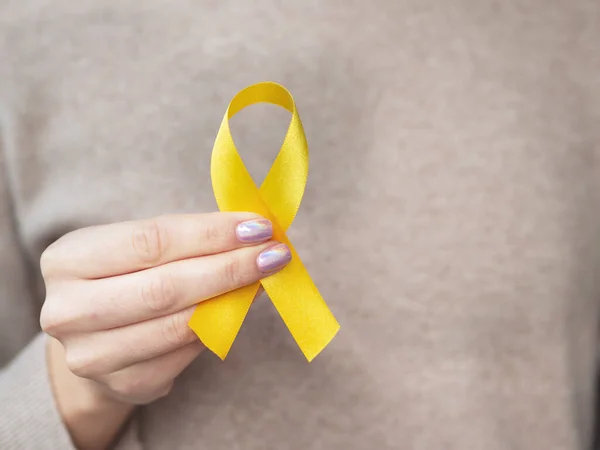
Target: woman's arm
pixel 92 418
pixel 28 415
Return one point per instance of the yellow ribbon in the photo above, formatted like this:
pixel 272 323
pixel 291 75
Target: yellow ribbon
pixel 217 321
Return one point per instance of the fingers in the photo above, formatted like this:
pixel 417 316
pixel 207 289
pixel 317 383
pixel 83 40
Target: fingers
pixel 119 297
pixel 148 380
pixel 94 353
pixel 108 250
pixel 88 305
pixel 90 355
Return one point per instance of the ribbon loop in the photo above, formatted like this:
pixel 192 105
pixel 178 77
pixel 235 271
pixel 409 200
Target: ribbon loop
pixel 217 321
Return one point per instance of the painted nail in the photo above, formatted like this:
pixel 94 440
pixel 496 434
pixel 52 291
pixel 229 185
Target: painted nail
pixel 273 258
pixel 254 230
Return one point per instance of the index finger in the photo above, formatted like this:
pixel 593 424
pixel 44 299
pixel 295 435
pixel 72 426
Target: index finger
pixel 125 247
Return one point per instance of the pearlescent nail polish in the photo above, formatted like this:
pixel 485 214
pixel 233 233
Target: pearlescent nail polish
pixel 254 230
pixel 273 258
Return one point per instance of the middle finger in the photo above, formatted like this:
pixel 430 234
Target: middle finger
pixel 160 291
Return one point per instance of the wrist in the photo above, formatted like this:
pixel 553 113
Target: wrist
pixel 92 418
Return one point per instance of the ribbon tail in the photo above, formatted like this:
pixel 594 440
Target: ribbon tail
pixel 301 306
pixel 217 321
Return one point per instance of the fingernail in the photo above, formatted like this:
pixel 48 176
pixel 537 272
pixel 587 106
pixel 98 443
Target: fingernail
pixel 273 258
pixel 254 230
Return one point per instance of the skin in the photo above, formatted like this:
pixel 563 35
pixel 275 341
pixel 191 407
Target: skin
pixel 118 299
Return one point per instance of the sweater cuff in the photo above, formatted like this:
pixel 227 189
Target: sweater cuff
pixel 28 415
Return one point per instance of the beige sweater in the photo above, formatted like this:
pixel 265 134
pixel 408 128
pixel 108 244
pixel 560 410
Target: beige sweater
pixel 451 219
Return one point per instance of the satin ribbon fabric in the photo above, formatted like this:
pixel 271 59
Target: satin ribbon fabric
pixel 217 321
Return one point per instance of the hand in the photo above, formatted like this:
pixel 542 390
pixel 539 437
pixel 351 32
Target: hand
pixel 119 296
